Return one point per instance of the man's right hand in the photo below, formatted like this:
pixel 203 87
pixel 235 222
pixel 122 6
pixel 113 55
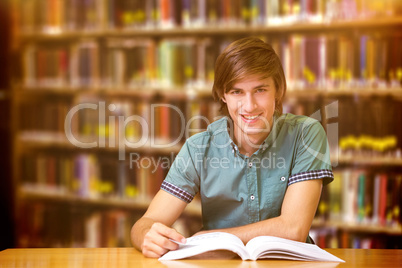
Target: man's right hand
pixel 151 233
pixel 157 240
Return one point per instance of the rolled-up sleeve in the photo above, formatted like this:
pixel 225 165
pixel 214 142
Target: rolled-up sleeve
pixel 183 180
pixel 312 158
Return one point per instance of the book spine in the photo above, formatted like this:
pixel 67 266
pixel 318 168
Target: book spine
pixel 361 197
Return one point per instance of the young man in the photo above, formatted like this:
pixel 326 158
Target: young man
pixel 258 172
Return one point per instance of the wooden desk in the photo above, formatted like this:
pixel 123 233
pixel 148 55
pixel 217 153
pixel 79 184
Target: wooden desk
pixel 129 257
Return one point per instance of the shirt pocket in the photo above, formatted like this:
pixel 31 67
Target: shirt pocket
pixel 273 191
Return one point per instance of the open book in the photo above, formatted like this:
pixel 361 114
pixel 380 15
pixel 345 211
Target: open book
pixel 262 247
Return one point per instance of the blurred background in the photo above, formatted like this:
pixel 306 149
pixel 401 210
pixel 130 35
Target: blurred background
pixel 97 97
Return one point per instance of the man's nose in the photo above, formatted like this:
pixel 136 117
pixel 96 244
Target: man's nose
pixel 249 103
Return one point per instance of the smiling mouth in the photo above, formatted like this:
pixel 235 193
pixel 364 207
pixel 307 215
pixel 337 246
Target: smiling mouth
pixel 250 117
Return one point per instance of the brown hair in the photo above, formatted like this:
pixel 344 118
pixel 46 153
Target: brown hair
pixel 245 57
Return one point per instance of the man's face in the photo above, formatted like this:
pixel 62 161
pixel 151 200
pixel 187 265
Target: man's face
pixel 251 105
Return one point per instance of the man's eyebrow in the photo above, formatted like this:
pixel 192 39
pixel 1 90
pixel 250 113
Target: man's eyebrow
pixel 256 87
pixel 262 85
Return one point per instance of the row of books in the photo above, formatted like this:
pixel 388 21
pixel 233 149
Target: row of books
pixel 341 61
pixel 323 62
pixel 367 126
pixel 363 197
pixel 95 176
pixel 332 238
pixel 58 224
pixel 121 63
pixel 54 16
pixel 356 126
pixel 119 121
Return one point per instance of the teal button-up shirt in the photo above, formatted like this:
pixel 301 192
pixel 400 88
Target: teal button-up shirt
pixel 236 189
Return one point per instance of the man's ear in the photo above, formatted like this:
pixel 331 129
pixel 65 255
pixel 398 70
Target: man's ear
pixel 223 99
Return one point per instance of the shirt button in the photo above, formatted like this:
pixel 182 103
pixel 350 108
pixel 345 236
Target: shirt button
pixel 250 164
pixel 252 197
pixel 283 178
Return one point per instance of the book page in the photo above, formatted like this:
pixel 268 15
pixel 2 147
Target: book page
pixel 275 247
pixel 207 242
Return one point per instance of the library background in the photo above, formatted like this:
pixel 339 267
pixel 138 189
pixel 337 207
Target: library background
pixel 97 92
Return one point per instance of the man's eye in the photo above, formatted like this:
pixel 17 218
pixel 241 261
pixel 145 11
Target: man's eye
pixel 235 92
pixel 261 90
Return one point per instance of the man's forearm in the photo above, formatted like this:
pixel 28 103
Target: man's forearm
pixel 275 227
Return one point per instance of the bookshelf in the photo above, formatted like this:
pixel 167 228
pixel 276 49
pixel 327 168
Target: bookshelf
pixel 119 59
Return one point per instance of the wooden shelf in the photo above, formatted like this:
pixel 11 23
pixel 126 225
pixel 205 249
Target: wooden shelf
pixel 293 93
pixel 288 28
pixel 43 139
pixel 357 227
pixel 369 161
pixel 145 92
pixel 57 195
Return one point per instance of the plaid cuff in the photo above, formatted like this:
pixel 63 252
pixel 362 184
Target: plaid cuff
pixel 311 175
pixel 176 191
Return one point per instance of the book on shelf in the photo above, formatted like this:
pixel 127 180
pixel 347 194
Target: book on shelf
pixel 193 13
pixel 108 229
pixel 46 66
pixel 130 63
pixel 176 62
pixel 46 116
pixel 56 16
pixel 362 198
pixel 137 14
pixel 261 247
pixel 84 67
pixel 85 15
pixel 335 197
pixel 130 14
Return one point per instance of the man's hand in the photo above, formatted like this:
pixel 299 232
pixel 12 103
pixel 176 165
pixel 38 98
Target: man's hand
pixel 156 240
pixel 151 233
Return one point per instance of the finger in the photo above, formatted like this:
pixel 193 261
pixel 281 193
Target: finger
pixel 166 243
pixel 150 254
pixel 153 250
pixel 169 233
pixel 155 237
